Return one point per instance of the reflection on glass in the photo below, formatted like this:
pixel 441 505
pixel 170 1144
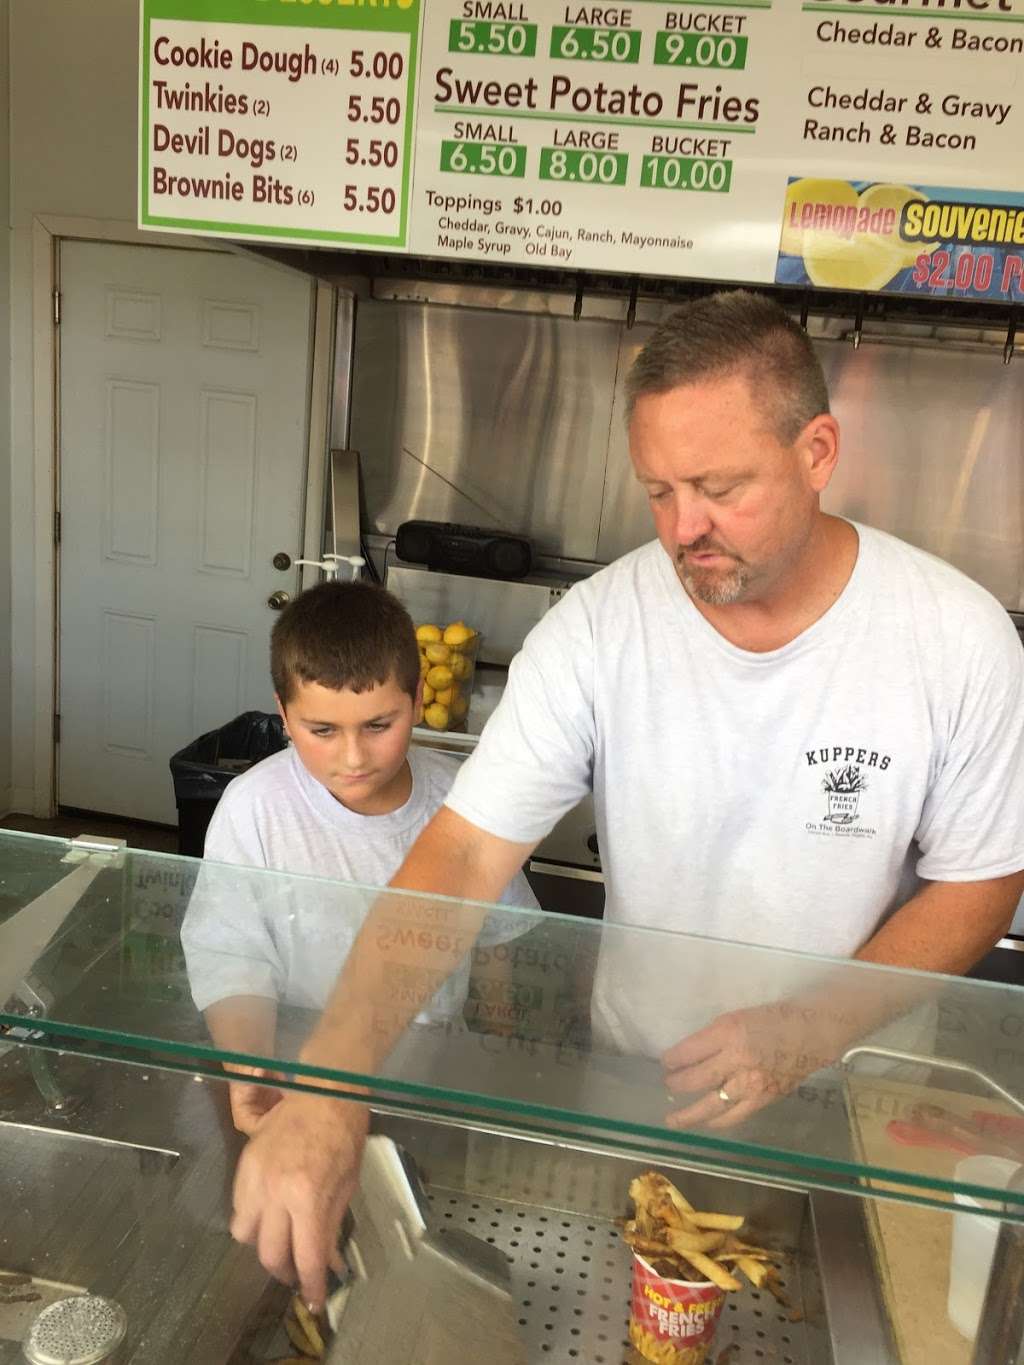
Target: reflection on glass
pixel 531 1022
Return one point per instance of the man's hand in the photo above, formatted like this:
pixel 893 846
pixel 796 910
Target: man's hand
pixel 745 1059
pixel 293 1185
pixel 251 1102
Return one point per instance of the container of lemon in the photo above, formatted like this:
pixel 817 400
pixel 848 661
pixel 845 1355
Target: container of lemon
pixel 447 663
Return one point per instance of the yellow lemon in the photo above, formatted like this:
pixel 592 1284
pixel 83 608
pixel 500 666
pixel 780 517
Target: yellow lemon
pixel 437 654
pixel 897 197
pixel 458 634
pixel 460 666
pixel 428 694
pixel 860 263
pixel 436 716
pixel 439 677
pixel 447 695
pixel 458 708
pixel 428 634
pixel 424 666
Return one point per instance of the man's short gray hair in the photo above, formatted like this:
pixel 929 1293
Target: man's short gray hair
pixel 729 332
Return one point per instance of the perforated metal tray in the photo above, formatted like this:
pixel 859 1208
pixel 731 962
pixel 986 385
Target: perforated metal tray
pixel 571 1278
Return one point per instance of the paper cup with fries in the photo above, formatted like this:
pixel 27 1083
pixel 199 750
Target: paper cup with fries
pixel 681 1271
pixel 672 1322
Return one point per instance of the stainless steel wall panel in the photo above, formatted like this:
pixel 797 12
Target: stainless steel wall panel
pixel 932 450
pixel 492 419
pixel 515 420
pixel 625 513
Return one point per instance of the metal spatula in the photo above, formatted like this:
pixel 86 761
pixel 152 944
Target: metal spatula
pixel 416 1296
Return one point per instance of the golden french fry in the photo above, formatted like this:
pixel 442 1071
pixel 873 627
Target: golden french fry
pixel 309 1325
pixel 755 1271
pixel 716 1273
pixel 665 1187
pixel 685 1242
pixel 298 1338
pixel 726 1222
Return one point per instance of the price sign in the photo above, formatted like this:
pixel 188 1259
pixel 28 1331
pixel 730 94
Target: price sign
pixel 866 145
pixel 261 119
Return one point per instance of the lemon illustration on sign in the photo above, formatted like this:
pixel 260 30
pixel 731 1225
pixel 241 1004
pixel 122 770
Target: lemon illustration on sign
pixel 436 716
pixel 439 677
pixel 859 262
pixel 427 635
pixel 897 197
pixel 834 193
pixel 437 654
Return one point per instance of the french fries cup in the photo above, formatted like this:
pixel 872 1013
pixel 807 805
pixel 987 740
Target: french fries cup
pixel 672 1322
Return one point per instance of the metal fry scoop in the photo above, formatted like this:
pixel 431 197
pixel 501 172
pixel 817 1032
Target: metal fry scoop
pixel 415 1296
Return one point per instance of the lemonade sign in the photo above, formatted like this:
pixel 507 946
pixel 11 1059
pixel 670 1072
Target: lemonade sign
pixel 902 239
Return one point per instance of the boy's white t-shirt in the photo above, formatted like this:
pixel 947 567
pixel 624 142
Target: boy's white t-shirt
pixel 287 940
pixel 711 765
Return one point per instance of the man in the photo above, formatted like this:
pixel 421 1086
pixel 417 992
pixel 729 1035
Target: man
pixel 799 732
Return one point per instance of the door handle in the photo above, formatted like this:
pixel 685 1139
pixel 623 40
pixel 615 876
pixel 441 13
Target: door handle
pixel 278 600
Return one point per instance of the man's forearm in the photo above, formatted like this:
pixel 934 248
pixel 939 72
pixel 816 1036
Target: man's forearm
pixel 243 1023
pixel 947 927
pixel 944 929
pixel 409 946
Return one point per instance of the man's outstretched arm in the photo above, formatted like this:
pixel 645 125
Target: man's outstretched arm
pixel 300 1168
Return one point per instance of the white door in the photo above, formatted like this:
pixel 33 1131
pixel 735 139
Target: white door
pixel 184 391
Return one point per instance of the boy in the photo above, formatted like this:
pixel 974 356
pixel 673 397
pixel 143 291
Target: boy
pixel 346 801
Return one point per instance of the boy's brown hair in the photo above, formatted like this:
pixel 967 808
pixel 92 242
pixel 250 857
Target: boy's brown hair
pixel 344 635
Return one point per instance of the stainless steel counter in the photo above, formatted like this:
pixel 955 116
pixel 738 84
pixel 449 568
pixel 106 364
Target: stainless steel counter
pixel 127 1195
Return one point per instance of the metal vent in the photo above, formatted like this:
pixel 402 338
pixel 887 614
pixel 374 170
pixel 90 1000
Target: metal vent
pixel 83 1330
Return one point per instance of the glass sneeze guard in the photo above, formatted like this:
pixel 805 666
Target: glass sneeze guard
pixel 525 1022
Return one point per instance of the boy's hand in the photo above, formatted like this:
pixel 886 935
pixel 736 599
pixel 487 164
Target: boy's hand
pixel 293 1185
pixel 250 1103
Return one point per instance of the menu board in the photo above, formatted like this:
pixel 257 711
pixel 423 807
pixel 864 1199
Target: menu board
pixel 854 144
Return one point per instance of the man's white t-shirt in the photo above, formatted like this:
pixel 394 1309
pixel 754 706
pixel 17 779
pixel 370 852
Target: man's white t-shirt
pixel 793 798
pixel 285 939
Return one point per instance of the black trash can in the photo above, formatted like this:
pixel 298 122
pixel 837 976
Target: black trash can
pixel 203 769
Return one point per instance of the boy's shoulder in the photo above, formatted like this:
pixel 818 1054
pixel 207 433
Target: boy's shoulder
pixel 433 771
pixel 272 777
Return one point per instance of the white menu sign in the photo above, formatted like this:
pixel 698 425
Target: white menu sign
pixel 855 144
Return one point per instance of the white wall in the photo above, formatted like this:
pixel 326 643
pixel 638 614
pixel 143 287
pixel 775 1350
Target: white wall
pixel 73 92
pixel 5 423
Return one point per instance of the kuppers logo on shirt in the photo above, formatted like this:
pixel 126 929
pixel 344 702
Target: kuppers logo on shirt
pixel 844 783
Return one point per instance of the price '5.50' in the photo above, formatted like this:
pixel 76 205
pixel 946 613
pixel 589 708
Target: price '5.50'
pixel 374 153
pixel 377 109
pixel 370 199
